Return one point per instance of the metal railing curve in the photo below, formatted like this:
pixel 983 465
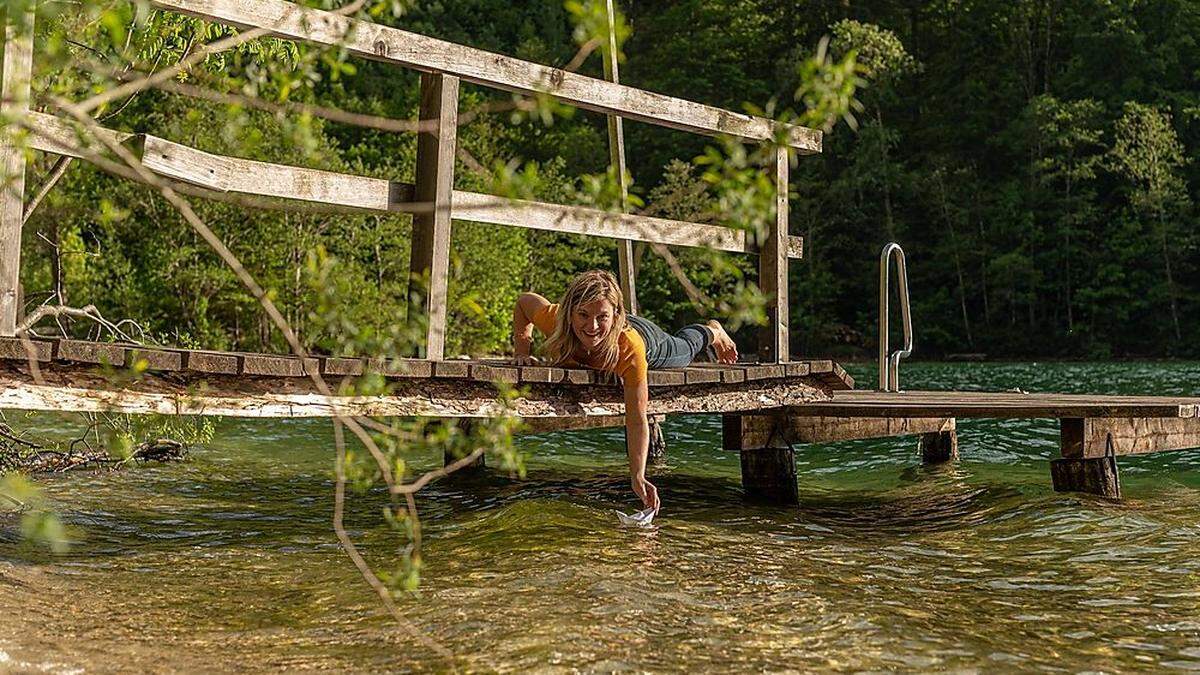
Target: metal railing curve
pixel 889 363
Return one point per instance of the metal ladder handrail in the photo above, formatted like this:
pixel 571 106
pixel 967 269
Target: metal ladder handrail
pixel 889 364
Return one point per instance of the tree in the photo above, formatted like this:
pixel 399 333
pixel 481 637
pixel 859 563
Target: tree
pixel 1148 154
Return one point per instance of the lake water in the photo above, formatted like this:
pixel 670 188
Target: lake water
pixel 229 563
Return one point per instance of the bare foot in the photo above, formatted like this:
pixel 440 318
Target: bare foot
pixel 723 344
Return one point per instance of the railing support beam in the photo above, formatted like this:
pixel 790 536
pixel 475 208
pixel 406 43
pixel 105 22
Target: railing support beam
pixel 773 270
pixel 616 153
pixel 14 92
pixel 430 257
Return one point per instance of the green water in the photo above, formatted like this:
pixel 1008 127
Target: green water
pixel 229 563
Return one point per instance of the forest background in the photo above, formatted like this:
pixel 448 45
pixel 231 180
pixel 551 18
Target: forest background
pixel 1033 158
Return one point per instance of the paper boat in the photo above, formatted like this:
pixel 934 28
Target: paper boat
pixel 641 518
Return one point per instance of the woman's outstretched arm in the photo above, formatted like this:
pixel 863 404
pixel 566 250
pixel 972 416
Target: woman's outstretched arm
pixel 526 306
pixel 637 440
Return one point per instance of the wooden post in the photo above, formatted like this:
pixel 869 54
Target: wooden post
pixel 938 447
pixel 430 257
pixel 14 104
pixel 616 152
pixel 768 467
pixel 773 270
pixel 1089 459
pixel 657 452
pixel 1093 475
pixel 658 443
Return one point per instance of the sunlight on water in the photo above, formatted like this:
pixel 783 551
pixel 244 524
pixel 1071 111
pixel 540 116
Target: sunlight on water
pixel 229 563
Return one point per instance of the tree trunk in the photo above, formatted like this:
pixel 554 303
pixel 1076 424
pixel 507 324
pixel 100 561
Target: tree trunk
pixel 1162 235
pixel 889 221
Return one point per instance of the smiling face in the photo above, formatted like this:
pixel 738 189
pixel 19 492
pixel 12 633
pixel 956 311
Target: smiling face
pixel 592 322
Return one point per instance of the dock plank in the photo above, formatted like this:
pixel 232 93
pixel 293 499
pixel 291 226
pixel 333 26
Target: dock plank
pixel 217 363
pixel 415 368
pixel 86 351
pixel 824 372
pixel 701 375
pixel 156 359
pixel 12 348
pixel 341 366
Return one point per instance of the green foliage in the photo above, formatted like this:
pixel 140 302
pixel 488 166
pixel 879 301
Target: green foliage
pixel 590 18
pixel 39 524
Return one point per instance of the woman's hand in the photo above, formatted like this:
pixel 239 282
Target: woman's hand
pixel 645 490
pixel 522 344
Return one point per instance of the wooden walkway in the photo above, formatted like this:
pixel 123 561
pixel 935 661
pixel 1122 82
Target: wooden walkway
pixel 82 376
pixel 1094 430
pixel 998 405
pixel 767 408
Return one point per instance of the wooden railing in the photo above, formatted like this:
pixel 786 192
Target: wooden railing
pixel 432 200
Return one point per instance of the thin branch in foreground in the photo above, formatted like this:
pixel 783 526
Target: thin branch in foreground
pixel 339 528
pixel 56 173
pixel 193 59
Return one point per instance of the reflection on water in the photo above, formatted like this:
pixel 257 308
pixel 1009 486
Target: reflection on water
pixel 229 563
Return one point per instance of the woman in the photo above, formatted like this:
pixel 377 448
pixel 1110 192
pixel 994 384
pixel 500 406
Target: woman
pixel 589 327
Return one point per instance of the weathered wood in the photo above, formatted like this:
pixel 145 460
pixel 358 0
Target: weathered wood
pixel 341 366
pixel 283 365
pixel 616 154
pixel 14 349
pixel 1090 437
pixel 939 447
pixel 383 43
pixel 999 405
pixel 155 359
pixel 430 260
pixel 14 105
pixel 86 388
pixel 353 194
pixel 768 468
pixel 544 374
pixel 764 372
pixel 211 362
pixel 541 425
pixel 1093 475
pixel 657 450
pixel 733 374
pixel 664 378
pixel 56 135
pixel 832 374
pixel 85 351
pixel 756 430
pixel 245 176
pixel 414 368
pixel 769 475
pixel 773 270
pixel 701 375
pixel 452 369
pixel 797 368
pixel 580 376
pixel 594 222
pixel 487 372
pixel 841 379
pixel 277 366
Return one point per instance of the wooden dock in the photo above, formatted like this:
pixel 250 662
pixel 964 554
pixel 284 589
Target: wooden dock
pixel 76 375
pixel 767 406
pixel 768 409
pixel 1094 430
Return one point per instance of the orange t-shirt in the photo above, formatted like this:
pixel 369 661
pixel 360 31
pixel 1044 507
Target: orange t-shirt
pixel 631 348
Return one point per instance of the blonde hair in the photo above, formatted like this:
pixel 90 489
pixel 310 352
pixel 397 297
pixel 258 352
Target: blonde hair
pixel 587 287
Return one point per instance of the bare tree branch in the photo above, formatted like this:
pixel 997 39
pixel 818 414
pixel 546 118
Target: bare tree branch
pixel 56 172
